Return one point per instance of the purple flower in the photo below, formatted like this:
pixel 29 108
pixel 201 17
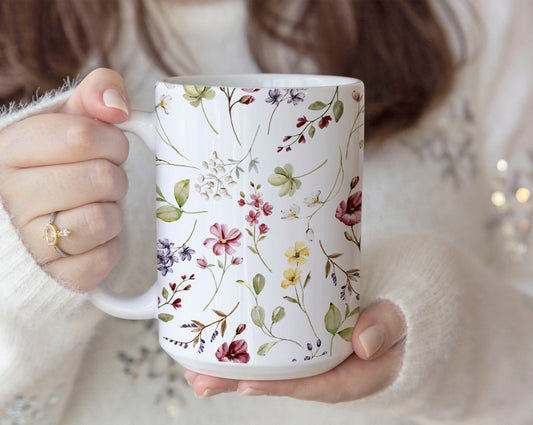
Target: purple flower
pixel 165 257
pixel 273 96
pixel 164 244
pixel 186 253
pixel 296 96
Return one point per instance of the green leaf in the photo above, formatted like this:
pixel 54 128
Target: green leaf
pixel 259 283
pixel 346 311
pixel 159 199
pixel 251 248
pixel 311 131
pixel 307 279
pixel 164 317
pixel 242 282
pixel 181 192
pixel 346 334
pixel 281 171
pixel 220 264
pixel 249 232
pixel 219 313
pixel 332 319
pixel 168 213
pixel 277 179
pixel 278 314
pixel 289 169
pixel 265 348
pixel 258 316
pixel 355 311
pixel 223 328
pixel 290 299
pixel 285 188
pixel 336 255
pixel 338 110
pixel 165 293
pixel 317 106
pixel 158 191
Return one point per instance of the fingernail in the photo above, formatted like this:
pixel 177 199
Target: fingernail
pixel 113 99
pixel 210 392
pixel 372 339
pixel 251 392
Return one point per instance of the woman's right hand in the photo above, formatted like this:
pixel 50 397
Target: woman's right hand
pixel 69 162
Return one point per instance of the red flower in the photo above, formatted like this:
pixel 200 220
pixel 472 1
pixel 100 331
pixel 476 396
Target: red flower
pixel 224 241
pixel 280 148
pixel 301 121
pixel 252 217
pixel 356 95
pixel 286 138
pixel 263 228
pixel 324 121
pixel 187 288
pixel 236 352
pixel 301 139
pixel 172 286
pixel 241 202
pixel 177 303
pixel 350 212
pixel 246 100
pixel 236 261
pixel 201 262
pixel 267 208
pixel 256 200
pixel 240 329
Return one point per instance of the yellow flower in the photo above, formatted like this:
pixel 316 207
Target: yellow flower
pixel 297 254
pixel 292 276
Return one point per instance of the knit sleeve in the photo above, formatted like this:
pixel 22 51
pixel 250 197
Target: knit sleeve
pixel 43 324
pixel 469 336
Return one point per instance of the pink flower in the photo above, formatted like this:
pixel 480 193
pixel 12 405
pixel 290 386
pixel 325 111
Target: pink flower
pixel 252 217
pixel 263 228
pixel 246 100
pixel 324 121
pixel 301 139
pixel 301 121
pixel 225 240
pixel 256 200
pixel 236 261
pixel 250 90
pixel 172 286
pixel 240 329
pixel 267 208
pixel 177 303
pixel 350 212
pixel 241 202
pixel 202 263
pixel 354 182
pixel 236 352
pixel 356 95
pixel 187 288
pixel 286 138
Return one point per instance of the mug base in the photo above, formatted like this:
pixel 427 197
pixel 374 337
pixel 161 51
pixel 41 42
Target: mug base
pixel 261 372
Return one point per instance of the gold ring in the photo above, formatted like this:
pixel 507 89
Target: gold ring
pixel 52 234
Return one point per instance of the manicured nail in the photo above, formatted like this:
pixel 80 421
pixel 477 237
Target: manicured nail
pixel 372 339
pixel 113 99
pixel 251 392
pixel 210 392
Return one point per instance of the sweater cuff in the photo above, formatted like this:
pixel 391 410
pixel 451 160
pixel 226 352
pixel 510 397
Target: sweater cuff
pixel 419 274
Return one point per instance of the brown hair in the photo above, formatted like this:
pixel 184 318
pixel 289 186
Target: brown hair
pixel 397 47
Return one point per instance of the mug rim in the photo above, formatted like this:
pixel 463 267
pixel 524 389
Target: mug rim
pixel 261 80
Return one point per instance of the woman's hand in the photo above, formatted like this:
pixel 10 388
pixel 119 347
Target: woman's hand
pixel 69 162
pixel 377 343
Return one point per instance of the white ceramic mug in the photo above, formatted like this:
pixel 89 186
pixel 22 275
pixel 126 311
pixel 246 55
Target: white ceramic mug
pixel 258 223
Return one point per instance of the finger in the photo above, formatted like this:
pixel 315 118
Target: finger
pixel 62 187
pixel 353 379
pixel 100 95
pixel 379 327
pixel 85 271
pixel 208 386
pixel 90 225
pixel 61 139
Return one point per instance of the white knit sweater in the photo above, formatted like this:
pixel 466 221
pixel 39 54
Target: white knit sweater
pixel 433 244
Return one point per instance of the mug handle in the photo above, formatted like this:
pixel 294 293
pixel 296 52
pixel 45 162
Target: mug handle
pixel 143 306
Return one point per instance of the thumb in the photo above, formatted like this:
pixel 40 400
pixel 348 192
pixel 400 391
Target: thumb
pixel 379 328
pixel 101 95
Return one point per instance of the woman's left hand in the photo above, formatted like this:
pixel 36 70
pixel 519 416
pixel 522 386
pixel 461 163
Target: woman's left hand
pixel 378 350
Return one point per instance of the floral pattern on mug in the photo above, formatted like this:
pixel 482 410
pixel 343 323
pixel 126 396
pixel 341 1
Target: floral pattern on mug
pixel 349 212
pixel 197 329
pixel 258 209
pixel 170 298
pixel 307 126
pixel 236 351
pixel 224 244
